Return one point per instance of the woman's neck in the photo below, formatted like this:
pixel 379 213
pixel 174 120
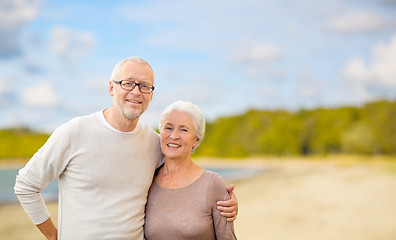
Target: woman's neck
pixel 178 173
pixel 176 166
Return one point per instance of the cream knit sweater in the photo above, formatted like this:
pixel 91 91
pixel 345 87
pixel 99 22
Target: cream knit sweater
pixel 104 178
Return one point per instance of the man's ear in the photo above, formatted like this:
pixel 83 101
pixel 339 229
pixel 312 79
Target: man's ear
pixel 151 97
pixel 111 88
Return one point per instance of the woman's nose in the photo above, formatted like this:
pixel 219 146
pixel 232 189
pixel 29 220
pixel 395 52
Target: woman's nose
pixel 174 134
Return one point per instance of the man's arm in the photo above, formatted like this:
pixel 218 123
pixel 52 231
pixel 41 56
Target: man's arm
pixel 43 168
pixel 229 208
pixel 48 229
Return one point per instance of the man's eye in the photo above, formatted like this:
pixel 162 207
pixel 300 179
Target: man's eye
pixel 146 87
pixel 128 84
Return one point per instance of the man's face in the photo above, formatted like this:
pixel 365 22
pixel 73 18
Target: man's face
pixel 131 104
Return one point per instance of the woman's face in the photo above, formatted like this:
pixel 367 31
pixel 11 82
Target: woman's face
pixel 178 135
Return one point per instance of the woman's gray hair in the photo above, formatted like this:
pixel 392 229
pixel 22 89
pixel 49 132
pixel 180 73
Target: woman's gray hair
pixel 117 68
pixel 190 108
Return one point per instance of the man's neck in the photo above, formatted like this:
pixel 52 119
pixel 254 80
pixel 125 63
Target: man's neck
pixel 119 122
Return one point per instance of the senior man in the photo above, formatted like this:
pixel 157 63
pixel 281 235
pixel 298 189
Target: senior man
pixel 105 163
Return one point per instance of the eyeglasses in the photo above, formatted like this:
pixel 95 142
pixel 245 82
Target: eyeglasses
pixel 130 85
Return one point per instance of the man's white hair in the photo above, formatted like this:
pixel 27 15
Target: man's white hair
pixel 117 68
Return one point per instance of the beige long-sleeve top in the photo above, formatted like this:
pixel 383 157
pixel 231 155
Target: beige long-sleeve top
pixel 104 178
pixel 189 212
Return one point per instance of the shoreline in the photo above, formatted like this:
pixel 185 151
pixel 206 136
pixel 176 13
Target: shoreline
pixel 12 164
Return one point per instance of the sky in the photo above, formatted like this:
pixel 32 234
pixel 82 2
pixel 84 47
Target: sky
pixel 228 57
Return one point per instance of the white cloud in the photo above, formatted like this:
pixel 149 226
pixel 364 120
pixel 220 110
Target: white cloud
pixel 198 89
pixel 194 26
pixel 17 12
pixel 254 58
pixel 261 52
pixel 205 91
pixel 41 95
pixel 356 70
pixel 7 95
pixel 5 91
pixel 98 84
pixel 4 87
pixel 358 22
pixel 308 87
pixel 71 45
pixel 385 1
pixel 369 80
pixel 380 72
pixel 14 15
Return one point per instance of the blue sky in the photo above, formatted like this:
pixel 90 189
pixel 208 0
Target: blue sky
pixel 56 57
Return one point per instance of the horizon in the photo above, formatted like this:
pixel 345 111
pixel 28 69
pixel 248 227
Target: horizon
pixel 39 131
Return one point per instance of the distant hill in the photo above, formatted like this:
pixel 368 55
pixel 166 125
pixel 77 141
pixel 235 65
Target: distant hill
pixel 20 142
pixel 370 129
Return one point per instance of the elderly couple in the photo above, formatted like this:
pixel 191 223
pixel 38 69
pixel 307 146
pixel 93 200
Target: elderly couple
pixel 118 179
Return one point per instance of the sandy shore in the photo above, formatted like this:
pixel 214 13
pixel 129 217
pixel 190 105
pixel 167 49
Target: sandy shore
pixel 293 200
pixel 300 200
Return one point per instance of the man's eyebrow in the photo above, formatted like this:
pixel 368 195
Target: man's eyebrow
pixel 132 79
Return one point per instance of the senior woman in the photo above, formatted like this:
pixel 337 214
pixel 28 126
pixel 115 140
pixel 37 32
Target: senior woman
pixel 182 199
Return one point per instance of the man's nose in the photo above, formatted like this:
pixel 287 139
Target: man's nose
pixel 135 90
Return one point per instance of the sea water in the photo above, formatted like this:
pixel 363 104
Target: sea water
pixel 50 193
pixel 7 182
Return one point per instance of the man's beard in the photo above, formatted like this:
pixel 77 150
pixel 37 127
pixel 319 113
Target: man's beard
pixel 132 115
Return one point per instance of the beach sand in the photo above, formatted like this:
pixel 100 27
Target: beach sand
pixel 300 200
pixel 291 200
pixel 16 225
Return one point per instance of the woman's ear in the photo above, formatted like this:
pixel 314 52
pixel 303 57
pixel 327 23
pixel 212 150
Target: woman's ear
pixel 196 142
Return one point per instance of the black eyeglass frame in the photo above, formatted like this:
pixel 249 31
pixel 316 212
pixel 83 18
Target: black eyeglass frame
pixel 134 85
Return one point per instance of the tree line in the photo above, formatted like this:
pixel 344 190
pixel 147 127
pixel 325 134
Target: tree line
pixel 369 130
pixel 20 143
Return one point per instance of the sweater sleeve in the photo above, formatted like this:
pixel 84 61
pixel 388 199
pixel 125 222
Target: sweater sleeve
pixel 224 230
pixel 44 167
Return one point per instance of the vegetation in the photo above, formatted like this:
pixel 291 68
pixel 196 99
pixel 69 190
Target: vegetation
pixel 367 130
pixel 20 143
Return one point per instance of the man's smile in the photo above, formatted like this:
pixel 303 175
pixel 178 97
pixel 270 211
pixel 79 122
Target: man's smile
pixel 134 101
